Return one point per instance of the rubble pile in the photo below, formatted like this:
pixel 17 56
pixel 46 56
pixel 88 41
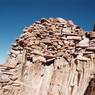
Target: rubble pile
pixel 8 81
pixel 49 41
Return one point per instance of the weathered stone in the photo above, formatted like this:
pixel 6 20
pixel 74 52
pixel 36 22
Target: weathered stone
pixel 60 42
pixel 88 52
pixel 8 73
pixel 39 58
pixel 51 57
pixel 61 20
pixel 70 22
pixel 66 31
pixel 50 61
pixel 37 52
pixel 14 52
pixel 14 44
pixel 73 38
pixel 58 47
pixel 16 85
pixel 4 80
pixel 9 65
pixel 48 56
pixel 69 34
pixel 13 78
pixel 46 41
pixel 37 42
pixel 30 30
pixel 60 53
pixel 84 42
pixel 55 43
pixel 91 48
pixel 81 57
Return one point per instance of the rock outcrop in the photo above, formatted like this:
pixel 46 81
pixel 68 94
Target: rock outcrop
pixel 51 57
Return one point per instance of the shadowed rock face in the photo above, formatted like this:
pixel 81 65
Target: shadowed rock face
pixel 51 57
pixel 91 88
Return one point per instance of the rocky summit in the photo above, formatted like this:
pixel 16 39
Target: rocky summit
pixel 51 57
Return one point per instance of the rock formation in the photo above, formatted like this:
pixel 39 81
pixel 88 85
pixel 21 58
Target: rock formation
pixel 51 57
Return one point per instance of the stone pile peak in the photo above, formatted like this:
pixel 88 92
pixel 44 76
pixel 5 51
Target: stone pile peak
pixel 52 56
pixel 53 38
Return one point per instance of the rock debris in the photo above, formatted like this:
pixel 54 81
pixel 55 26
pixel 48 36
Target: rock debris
pixel 48 41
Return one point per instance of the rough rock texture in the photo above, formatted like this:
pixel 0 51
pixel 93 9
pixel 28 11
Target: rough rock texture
pixel 91 88
pixel 51 57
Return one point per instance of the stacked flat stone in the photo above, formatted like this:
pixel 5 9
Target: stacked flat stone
pixel 48 41
pixel 52 38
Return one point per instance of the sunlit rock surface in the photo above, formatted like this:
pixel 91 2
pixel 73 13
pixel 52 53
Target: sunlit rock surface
pixel 51 57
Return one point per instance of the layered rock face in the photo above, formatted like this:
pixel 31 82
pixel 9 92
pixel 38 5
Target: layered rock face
pixel 51 57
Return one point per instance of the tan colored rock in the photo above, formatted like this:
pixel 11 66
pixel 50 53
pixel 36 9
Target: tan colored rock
pixel 61 20
pixel 52 57
pixel 73 38
pixel 70 22
pixel 69 34
pixel 37 52
pixel 10 65
pixel 30 30
pixel 81 57
pixel 46 41
pixel 91 48
pixel 14 52
pixel 13 78
pixel 84 42
pixel 39 58
pixel 66 30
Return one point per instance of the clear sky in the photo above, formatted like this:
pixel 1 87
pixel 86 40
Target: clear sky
pixel 16 14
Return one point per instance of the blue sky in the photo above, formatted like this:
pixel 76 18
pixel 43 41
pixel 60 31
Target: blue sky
pixel 15 15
